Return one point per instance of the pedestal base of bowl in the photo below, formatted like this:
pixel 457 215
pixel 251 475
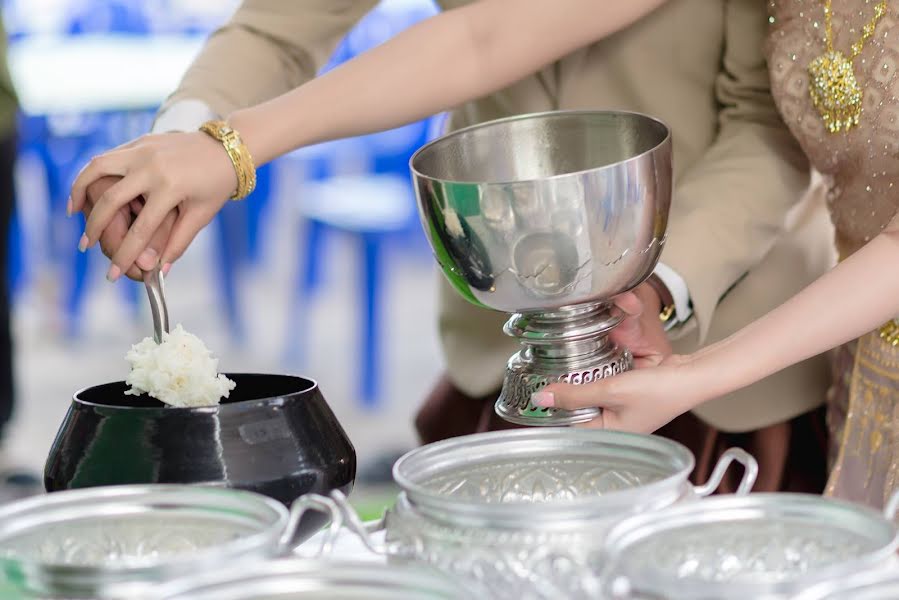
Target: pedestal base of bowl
pixel 568 346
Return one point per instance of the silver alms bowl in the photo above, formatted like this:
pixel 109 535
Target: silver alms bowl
pixel 549 216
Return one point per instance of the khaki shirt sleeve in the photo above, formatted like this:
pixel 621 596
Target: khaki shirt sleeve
pixel 732 205
pixel 267 48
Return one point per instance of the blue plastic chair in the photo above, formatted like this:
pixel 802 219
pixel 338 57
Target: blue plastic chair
pixel 237 231
pixel 375 204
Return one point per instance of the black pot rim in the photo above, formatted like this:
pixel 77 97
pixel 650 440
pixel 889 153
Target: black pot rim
pixel 239 404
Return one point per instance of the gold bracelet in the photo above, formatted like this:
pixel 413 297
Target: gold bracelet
pixel 237 152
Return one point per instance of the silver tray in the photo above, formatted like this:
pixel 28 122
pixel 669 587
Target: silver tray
pixel 113 541
pixel 319 580
pixel 756 546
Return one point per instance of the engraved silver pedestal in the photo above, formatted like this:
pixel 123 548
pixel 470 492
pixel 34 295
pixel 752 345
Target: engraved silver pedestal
pixel 571 346
pixel 549 217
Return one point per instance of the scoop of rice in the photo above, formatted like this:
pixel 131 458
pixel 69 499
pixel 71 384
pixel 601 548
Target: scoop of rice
pixel 180 371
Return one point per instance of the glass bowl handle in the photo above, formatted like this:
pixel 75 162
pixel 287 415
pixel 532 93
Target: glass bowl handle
pixel 750 473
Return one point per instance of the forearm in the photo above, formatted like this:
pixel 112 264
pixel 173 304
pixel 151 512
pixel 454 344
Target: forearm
pixel 435 65
pixel 854 298
pixel 266 49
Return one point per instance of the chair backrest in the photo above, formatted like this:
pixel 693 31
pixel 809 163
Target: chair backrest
pixel 390 150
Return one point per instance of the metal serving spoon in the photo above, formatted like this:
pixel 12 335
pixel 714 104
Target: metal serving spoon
pixel 155 284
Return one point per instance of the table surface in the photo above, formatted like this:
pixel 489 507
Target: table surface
pixel 98 73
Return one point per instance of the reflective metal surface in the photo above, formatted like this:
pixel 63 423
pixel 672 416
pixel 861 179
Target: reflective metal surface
pixel 112 542
pixel 496 478
pixel 549 216
pixel 520 513
pixel 757 546
pixel 319 580
pixel 877 584
pixel 154 281
pixel 275 435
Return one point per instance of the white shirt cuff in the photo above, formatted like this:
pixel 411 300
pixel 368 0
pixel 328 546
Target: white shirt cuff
pixel 184 115
pixel 683 309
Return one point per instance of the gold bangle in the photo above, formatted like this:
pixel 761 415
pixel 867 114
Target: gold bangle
pixel 237 152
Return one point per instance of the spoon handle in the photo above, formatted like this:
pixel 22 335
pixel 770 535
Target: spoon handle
pixel 155 284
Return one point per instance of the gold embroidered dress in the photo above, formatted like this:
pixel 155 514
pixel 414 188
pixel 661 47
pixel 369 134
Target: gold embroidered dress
pixel 861 166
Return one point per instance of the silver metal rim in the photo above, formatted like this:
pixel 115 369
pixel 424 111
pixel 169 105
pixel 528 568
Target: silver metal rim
pixel 642 528
pixel 447 454
pixel 323 576
pixel 20 517
pixel 863 582
pixel 534 116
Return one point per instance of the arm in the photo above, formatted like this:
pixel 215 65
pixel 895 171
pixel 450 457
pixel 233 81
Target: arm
pixel 439 63
pixel 856 297
pixel 267 48
pixel 737 196
pixel 435 65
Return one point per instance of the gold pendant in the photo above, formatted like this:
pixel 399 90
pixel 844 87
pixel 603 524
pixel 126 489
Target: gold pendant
pixel 835 91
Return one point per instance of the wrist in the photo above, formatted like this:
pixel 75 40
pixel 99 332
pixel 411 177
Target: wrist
pixel 664 300
pixel 694 384
pixel 243 122
pixel 238 154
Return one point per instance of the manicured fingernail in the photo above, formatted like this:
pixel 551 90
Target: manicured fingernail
pixel 166 268
pixel 148 259
pixel 113 274
pixel 69 207
pixel 83 242
pixel 544 399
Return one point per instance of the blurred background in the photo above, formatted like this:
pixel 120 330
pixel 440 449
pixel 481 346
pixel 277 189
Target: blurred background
pixel 323 271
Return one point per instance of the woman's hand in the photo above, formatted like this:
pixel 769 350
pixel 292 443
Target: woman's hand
pixel 190 172
pixel 642 331
pixel 640 401
pixel 115 232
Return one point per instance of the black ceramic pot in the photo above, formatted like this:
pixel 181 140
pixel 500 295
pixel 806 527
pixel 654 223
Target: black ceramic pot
pixel 275 435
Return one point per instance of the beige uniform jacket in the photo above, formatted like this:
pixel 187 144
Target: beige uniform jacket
pixel 697 65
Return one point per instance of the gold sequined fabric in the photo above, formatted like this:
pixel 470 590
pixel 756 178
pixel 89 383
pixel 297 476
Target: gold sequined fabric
pixel 861 167
pixel 863 417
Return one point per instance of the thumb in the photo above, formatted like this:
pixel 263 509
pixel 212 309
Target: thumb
pixel 571 397
pixel 629 333
pixel 149 258
pixel 630 304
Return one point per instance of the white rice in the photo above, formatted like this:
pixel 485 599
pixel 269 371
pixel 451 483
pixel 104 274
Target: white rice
pixel 180 371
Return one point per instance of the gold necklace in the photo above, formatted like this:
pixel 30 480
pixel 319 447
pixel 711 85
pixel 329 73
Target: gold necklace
pixel 833 86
